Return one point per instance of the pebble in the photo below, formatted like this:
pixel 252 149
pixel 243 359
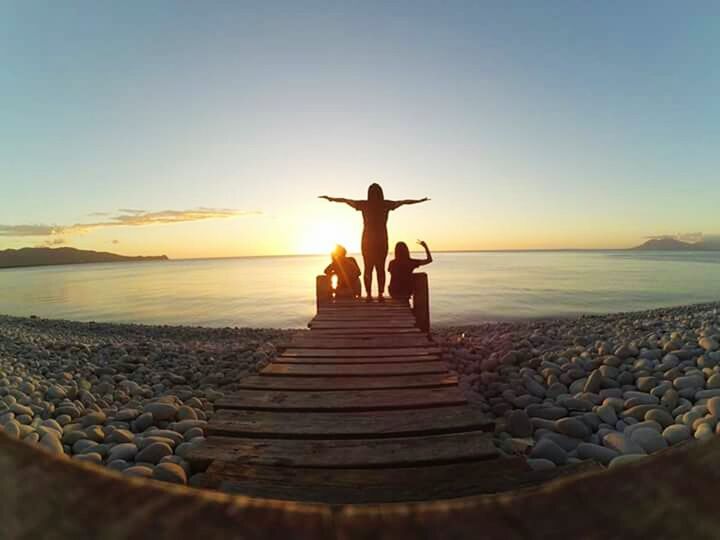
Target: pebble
pixel 170 472
pixel 649 439
pixel 547 449
pixel 626 460
pixel 572 427
pixel 622 444
pixel 540 464
pixel 596 452
pixel 518 424
pixel 154 453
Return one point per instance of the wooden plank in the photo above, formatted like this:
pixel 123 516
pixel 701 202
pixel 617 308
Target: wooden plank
pixel 347 425
pixel 349 353
pixel 341 400
pixel 376 332
pixel 353 453
pixel 338 342
pixel 384 323
pixel 352 316
pixel 357 360
pixel 347 486
pixel 255 382
pixel 355 370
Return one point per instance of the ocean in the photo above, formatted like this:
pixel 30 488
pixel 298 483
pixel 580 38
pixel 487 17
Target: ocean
pixel 465 288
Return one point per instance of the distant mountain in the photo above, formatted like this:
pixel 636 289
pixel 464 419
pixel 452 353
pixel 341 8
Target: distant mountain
pixel 671 244
pixel 11 258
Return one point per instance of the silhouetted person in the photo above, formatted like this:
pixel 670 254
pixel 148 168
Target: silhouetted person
pixel 347 271
pixel 375 212
pixel 401 269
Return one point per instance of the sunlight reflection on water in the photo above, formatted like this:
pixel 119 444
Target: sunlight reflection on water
pixel 279 291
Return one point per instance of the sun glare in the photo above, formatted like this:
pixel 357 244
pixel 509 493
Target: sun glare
pixel 322 237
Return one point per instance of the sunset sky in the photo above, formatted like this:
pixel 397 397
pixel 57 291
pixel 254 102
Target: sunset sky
pixel 201 129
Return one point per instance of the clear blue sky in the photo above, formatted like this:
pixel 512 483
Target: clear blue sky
pixel 529 124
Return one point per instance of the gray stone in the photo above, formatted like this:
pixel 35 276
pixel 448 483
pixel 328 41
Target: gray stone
pixel 572 427
pixel 154 453
pixel 139 470
pixel 540 464
pixel 170 472
pixel 622 444
pixel 547 449
pixel 626 459
pixel 144 421
pixel 660 416
pixel 607 414
pixel 546 412
pixel 161 411
pixel 518 424
pixel 713 406
pixel 676 433
pixel 124 451
pixel 601 454
pixel 52 443
pixel 649 439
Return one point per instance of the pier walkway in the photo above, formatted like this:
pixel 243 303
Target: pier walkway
pixel 359 409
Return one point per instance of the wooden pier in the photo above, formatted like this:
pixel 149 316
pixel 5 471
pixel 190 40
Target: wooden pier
pixel 360 409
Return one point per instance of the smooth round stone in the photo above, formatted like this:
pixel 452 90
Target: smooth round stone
pixel 31 438
pixel 145 441
pixel 174 436
pixel 12 429
pixel 177 460
pixel 89 457
pixel 547 449
pixel 626 459
pixel 170 472
pixel 154 453
pixel 704 432
pixel 19 409
pixel 645 424
pixel 198 432
pixel 518 424
pixel 126 415
pixel 607 414
pixel 52 424
pixel 555 390
pixel 83 445
pixel 563 441
pixel 546 412
pixel 660 416
pixel 139 470
pixel 71 437
pixel 574 404
pixel 707 394
pixel 594 382
pixel 649 439
pixel 596 452
pixel 161 411
pixel 709 344
pixel 52 443
pixel 676 433
pixel 713 406
pixel 93 419
pixel 95 433
pixel 616 403
pixel 713 381
pixel 540 464
pixel 124 451
pixel 646 384
pixel 144 421
pixel 182 426
pixel 120 436
pixel 638 412
pixel 186 413
pixel 689 381
pixel 572 427
pixel 622 444
pixel 118 465
pixel 606 393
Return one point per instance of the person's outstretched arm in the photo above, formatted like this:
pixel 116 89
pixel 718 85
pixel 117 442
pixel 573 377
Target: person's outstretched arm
pixel 351 202
pixel 428 255
pixel 397 204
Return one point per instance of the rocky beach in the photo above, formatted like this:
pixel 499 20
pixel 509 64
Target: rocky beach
pixel 612 388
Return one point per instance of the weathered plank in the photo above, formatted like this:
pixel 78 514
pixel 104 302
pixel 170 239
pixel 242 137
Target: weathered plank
pixel 370 323
pixel 346 486
pixel 343 400
pixel 375 332
pixel 349 353
pixel 255 382
pixel 347 425
pixel 325 342
pixel 356 359
pixel 355 370
pixel 353 453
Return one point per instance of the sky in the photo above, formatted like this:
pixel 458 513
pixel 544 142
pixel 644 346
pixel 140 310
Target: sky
pixel 208 129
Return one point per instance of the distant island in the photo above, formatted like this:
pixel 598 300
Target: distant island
pixel 15 258
pixel 673 244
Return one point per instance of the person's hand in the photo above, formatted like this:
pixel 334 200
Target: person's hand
pixel 422 243
pixel 324 197
pixel 424 199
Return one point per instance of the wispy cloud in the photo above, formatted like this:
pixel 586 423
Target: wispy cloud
pixel 125 217
pixel 683 237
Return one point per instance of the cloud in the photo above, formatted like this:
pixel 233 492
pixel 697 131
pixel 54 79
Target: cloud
pixel 126 217
pixel 682 237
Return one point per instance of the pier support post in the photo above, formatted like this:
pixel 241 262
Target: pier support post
pixel 421 301
pixel 323 290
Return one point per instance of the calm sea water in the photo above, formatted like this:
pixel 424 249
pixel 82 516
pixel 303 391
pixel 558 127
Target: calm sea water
pixel 279 291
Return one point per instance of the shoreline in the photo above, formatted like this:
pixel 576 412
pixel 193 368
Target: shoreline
pixel 610 388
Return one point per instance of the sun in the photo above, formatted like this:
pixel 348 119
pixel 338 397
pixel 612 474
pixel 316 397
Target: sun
pixel 322 237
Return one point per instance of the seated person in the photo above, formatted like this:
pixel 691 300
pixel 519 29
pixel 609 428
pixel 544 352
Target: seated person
pixel 401 269
pixel 347 271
